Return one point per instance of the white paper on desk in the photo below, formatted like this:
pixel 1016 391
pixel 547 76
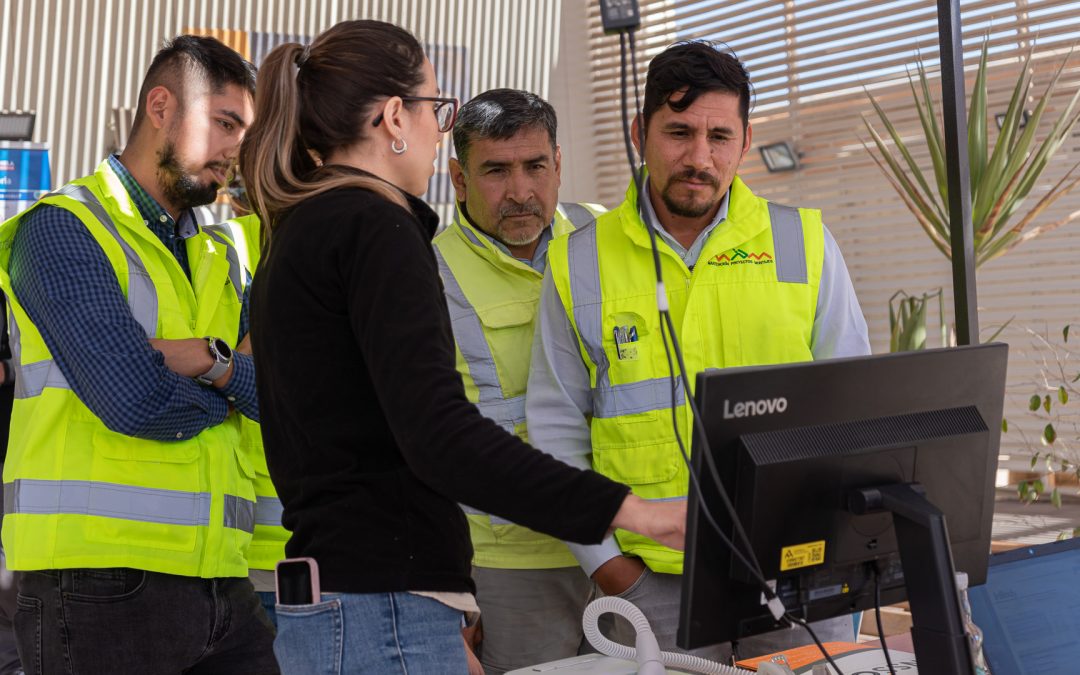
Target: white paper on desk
pixel 869 663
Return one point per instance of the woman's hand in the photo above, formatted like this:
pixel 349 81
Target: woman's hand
pixel 664 522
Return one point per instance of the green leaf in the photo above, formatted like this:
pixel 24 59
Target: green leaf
pixel 925 209
pixel 1062 536
pixel 932 131
pixel 994 175
pixel 1055 498
pixel 1004 425
pixel 977 137
pixel 1023 490
pixel 1034 403
pixel 1063 395
pixel 1034 460
pixel 1076 379
pixel 1046 403
pixel 1065 332
pixel 1037 487
pixel 998 331
pixel 1049 435
pixel 913 167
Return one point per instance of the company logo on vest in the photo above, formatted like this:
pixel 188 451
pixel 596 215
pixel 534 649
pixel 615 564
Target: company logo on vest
pixel 753 408
pixel 737 256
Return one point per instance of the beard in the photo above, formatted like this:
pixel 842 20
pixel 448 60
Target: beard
pixel 691 207
pixel 520 236
pixel 181 187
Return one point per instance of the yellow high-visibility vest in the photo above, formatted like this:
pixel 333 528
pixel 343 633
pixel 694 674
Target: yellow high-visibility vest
pixel 750 299
pixel 493 300
pixel 78 494
pixel 268 540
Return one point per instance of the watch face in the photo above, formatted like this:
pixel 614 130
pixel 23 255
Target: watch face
pixel 222 348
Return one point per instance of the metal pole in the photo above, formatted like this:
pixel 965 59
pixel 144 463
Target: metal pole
pixel 956 167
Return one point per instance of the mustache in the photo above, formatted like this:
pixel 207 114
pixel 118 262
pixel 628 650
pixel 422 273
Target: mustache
pixel 697 176
pixel 520 210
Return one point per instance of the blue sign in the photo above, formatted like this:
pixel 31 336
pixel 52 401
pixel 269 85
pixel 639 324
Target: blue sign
pixel 24 171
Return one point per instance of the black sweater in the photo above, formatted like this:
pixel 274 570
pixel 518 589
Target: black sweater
pixel 369 437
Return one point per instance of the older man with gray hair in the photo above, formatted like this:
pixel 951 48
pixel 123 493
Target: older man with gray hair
pixel 492 257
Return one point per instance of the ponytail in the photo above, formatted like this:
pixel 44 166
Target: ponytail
pixel 311 100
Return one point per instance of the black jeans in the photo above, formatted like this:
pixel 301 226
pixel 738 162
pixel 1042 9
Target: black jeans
pixel 118 620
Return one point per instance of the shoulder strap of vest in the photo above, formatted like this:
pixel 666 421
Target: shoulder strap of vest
pixel 577 214
pixel 471 341
pixel 789 245
pixel 141 294
pixel 221 235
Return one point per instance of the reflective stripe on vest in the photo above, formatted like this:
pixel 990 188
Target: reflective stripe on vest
pixel 236 269
pixel 469 333
pixel 268 511
pixel 32 379
pixel 578 215
pixel 583 265
pixel 129 502
pixel 141 296
pixel 788 244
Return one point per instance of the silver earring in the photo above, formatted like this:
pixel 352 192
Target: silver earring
pixel 402 149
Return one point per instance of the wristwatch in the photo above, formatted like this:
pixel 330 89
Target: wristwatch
pixel 222 355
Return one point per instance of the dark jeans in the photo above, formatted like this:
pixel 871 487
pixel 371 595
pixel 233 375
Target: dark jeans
pixel 117 620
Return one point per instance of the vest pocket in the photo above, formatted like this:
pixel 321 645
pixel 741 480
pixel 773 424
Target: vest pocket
pixel 509 315
pixel 144 493
pixel 643 464
pixel 128 448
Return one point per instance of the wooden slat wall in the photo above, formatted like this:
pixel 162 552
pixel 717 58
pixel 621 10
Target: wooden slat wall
pixel 809 61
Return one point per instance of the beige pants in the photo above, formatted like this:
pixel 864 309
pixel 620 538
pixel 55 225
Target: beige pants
pixel 530 616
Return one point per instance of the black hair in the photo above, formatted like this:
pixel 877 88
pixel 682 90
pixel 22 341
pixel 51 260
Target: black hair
pixel 695 67
pixel 500 114
pixel 198 55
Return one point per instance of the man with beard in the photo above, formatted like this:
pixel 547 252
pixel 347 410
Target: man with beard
pixel 748 282
pixel 129 506
pixel 530 590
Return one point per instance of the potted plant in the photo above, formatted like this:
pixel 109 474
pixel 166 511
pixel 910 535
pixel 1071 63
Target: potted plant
pixel 1001 177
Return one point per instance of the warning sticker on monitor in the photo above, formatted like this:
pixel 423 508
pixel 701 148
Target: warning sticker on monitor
pixel 802 555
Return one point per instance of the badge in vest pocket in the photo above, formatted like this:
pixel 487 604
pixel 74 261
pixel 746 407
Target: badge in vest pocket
pixel 626 338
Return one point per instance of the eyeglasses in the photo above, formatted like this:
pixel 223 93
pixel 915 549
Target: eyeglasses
pixel 446 110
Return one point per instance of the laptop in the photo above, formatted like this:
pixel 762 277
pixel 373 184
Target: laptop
pixel 1029 610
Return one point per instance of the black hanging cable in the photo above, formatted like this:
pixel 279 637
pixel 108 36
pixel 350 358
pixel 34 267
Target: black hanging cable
pixel 667 330
pixel 806 624
pixel 747 555
pixel 877 617
pixel 638 174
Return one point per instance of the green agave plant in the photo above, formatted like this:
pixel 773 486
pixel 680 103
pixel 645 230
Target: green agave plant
pixel 1001 178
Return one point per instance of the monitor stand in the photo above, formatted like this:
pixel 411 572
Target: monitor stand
pixel 937 632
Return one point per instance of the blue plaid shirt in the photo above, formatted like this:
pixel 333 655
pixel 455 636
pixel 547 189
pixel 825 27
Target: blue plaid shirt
pixel 70 291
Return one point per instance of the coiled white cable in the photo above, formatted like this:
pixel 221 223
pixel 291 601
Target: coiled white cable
pixel 647 652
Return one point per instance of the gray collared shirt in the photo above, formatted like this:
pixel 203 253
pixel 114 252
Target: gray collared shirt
pixel 689 255
pixel 538 261
pixel 559 402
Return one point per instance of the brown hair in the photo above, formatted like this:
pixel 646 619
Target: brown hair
pixel 312 100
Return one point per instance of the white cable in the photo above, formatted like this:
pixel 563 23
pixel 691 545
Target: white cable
pixel 647 653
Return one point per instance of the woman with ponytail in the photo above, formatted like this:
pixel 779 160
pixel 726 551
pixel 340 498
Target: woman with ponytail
pixel 370 439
